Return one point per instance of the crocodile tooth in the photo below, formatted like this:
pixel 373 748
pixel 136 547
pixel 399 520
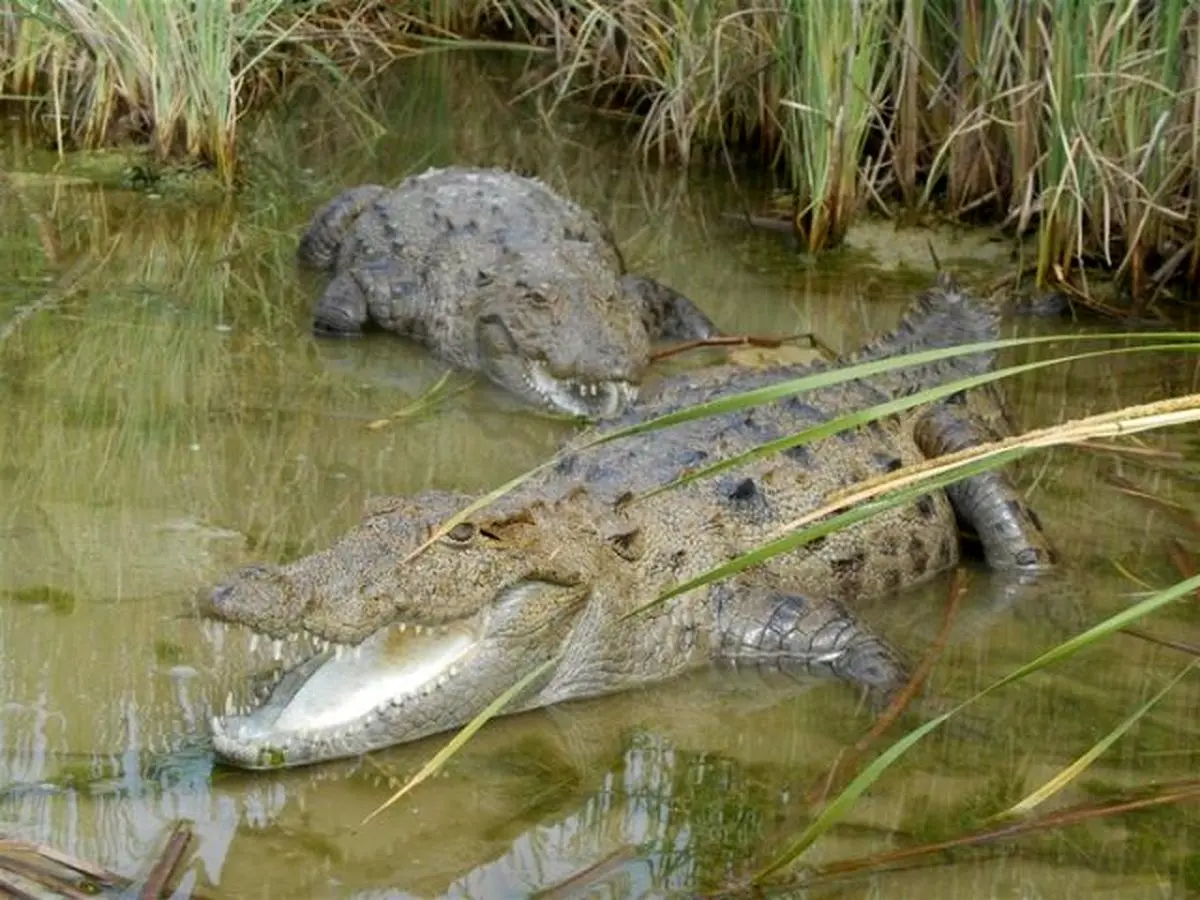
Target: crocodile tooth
pixel 452 671
pixel 401 627
pixel 216 726
pixel 357 653
pixel 229 704
pixel 441 681
pixel 276 650
pixel 253 642
pixel 339 650
pixel 417 629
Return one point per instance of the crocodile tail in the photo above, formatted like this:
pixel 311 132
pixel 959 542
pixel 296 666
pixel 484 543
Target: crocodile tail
pixel 946 315
pixel 322 241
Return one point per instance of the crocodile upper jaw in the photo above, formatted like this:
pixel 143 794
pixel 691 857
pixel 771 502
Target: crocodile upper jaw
pixel 578 397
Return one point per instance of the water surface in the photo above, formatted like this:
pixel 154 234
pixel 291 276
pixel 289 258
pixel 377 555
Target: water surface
pixel 173 419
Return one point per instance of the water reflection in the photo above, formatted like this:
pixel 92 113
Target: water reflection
pixel 173 419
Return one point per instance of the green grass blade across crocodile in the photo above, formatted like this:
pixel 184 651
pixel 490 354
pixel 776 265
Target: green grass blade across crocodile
pixel 394 650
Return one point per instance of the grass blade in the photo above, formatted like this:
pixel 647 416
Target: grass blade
pixel 465 734
pixel 870 414
pixel 841 804
pixel 842 374
pixel 913 481
pixel 1071 772
pixel 824 378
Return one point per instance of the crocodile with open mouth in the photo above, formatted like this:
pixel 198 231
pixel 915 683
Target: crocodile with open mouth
pixel 383 644
pixel 497 274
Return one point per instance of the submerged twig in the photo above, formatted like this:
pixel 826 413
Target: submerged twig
pixel 1189 790
pixel 82 866
pixel 1130 450
pixel 30 861
pixel 881 863
pixel 70 282
pixel 73 878
pixel 735 340
pixel 588 877
pixel 1182 559
pixel 958 588
pixel 1176 512
pixel 1190 649
pixel 164 869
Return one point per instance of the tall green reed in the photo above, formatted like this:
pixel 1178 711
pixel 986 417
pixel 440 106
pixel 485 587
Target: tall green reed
pixel 830 57
pixel 1074 119
pixel 173 70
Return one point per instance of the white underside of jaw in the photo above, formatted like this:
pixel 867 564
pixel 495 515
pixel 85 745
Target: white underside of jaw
pixel 349 688
pixel 599 399
pixel 346 691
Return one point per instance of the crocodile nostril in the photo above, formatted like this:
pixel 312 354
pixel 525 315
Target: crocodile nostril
pixel 222 594
pixel 219 595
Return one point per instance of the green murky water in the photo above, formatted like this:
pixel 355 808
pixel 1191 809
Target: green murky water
pixel 172 419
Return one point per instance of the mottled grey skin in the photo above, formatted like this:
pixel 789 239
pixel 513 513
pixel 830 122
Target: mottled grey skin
pixel 497 274
pixel 551 571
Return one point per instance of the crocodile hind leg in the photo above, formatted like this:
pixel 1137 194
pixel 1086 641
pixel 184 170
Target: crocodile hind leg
pixel 769 627
pixel 667 313
pixel 989 504
pixel 322 240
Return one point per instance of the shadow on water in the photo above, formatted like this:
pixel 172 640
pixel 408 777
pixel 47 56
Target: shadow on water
pixel 173 419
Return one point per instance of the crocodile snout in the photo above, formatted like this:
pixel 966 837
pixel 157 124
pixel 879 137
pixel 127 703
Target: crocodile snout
pixel 224 600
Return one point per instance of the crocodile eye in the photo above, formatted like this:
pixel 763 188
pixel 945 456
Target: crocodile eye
pixel 462 533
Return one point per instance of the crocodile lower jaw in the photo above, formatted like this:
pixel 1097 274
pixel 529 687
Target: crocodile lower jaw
pixel 578 397
pixel 334 701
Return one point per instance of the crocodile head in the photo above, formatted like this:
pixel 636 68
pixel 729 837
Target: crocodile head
pixel 381 650
pixel 564 338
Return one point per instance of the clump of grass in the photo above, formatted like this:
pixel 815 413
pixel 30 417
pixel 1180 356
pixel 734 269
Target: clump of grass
pixel 831 56
pixel 1077 119
pixel 175 74
pixel 1080 120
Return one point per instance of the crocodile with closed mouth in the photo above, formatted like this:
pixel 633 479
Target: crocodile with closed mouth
pixel 497 274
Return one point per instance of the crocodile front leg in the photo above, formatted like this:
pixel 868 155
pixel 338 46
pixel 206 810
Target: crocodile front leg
pixel 988 504
pixel 668 314
pixel 376 293
pixel 774 628
pixel 322 240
